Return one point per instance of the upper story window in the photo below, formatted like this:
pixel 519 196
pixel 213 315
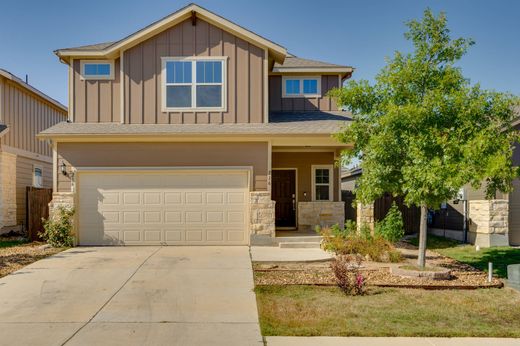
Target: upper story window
pixel 194 83
pixel 97 69
pixel 301 86
pixel 37 176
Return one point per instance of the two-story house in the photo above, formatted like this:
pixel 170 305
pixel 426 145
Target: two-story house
pixel 24 160
pixel 195 130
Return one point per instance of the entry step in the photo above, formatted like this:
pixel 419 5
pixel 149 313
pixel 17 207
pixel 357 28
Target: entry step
pixel 300 245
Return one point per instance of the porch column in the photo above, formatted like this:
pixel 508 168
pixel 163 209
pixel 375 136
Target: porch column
pixel 365 215
pixel 261 218
pixel 488 222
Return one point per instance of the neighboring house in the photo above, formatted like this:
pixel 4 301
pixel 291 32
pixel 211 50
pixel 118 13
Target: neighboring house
pixel 195 130
pixel 349 177
pixel 24 160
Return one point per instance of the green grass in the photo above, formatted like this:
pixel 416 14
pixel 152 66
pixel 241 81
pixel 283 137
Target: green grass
pixel 315 310
pixel 11 243
pixel 500 256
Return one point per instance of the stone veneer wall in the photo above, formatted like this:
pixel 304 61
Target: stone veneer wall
pixel 61 199
pixel 322 213
pixel 8 189
pixel 365 215
pixel 489 223
pixel 261 218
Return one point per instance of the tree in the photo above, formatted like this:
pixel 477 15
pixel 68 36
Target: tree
pixel 422 131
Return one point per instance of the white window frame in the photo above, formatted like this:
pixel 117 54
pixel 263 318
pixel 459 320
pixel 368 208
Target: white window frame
pixel 96 77
pixel 193 84
pixel 331 182
pixel 35 167
pixel 301 79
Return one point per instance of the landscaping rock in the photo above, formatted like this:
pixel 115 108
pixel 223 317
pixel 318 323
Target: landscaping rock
pixel 436 274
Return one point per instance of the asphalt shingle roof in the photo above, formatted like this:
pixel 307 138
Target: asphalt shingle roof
pixel 292 61
pixel 315 123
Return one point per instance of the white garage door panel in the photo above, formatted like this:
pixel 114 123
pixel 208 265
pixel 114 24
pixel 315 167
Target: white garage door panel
pixel 163 208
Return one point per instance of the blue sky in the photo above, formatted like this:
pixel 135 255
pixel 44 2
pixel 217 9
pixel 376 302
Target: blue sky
pixel 358 33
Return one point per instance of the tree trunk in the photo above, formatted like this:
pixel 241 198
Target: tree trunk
pixel 421 259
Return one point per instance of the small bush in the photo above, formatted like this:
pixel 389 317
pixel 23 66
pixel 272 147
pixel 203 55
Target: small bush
pixel 391 227
pixel 58 228
pixel 353 242
pixel 347 274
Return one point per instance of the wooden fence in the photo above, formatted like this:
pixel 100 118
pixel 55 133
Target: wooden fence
pixel 38 200
pixel 350 212
pixel 411 215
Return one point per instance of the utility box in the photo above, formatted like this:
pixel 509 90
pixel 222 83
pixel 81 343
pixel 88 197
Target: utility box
pixel 513 276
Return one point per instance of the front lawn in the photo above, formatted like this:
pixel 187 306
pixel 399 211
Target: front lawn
pixel 500 256
pixel 316 310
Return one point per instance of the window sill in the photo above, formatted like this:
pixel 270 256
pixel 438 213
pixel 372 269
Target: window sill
pixel 173 110
pixel 301 96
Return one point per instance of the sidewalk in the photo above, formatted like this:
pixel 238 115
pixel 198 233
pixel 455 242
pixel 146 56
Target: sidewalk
pixel 386 341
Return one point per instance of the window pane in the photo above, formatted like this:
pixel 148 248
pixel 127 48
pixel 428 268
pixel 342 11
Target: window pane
pixel 178 96
pixel 178 72
pixel 209 72
pixel 103 69
pixel 38 177
pixel 322 193
pixel 310 86
pixel 209 96
pixel 90 69
pixel 322 176
pixel 292 86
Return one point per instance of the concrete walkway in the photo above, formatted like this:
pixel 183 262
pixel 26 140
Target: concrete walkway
pixel 268 254
pixel 355 341
pixel 132 296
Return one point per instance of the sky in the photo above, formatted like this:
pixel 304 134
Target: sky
pixel 356 33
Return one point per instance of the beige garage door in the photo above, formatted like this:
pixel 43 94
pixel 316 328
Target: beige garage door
pixel 153 208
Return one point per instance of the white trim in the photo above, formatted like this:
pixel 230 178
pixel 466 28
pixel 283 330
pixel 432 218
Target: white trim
pixel 96 77
pixel 34 168
pixel 55 167
pixel 71 91
pixel 266 86
pixel 295 196
pixel 194 84
pixel 122 88
pixel 301 79
pixel 331 181
pixel 1 100
pixel 308 150
pixel 25 153
pixel 269 166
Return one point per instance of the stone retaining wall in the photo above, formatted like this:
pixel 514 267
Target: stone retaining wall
pixel 323 214
pixel 488 222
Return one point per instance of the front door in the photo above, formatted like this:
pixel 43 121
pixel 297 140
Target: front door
pixel 284 194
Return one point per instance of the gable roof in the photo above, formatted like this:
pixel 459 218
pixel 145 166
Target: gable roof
pixel 8 75
pixel 295 64
pixel 112 49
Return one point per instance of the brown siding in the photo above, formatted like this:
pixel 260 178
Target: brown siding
pixel 24 178
pixel 165 155
pixel 142 81
pixel 303 162
pixel 26 114
pixel 95 100
pixel 324 103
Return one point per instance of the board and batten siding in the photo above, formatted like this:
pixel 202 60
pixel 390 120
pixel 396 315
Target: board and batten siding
pixel 277 103
pixel 95 101
pixel 26 114
pixel 245 75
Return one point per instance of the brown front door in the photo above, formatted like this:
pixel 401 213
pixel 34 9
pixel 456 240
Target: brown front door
pixel 284 193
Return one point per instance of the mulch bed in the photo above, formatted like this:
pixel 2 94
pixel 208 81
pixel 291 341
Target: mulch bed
pixel 375 274
pixel 16 257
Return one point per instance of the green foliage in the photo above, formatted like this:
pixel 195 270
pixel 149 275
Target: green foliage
pixel 362 242
pixel 58 229
pixel 422 130
pixel 391 227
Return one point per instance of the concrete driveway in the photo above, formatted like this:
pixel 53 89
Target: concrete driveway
pixel 132 296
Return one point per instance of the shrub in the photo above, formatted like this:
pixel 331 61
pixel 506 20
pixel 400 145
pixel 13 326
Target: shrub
pixel 353 242
pixel 347 274
pixel 391 227
pixel 58 228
